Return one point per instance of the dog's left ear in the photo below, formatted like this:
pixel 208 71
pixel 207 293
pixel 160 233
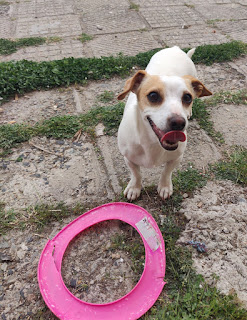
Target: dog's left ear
pixel 132 84
pixel 198 87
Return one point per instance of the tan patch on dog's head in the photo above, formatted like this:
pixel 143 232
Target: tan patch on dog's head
pixel 152 86
pixel 143 84
pixel 196 86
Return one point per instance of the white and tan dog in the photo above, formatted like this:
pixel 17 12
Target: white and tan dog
pixel 153 127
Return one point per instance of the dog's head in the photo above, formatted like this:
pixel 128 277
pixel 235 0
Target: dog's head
pixel 165 102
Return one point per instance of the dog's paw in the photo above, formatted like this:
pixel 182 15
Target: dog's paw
pixel 132 193
pixel 165 191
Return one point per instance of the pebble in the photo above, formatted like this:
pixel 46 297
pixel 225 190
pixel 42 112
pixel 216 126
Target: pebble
pixel 5 257
pixel 73 283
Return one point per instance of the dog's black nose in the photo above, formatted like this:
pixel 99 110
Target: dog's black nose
pixel 176 123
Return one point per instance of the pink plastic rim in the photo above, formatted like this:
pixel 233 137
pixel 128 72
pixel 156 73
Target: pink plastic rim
pixel 131 306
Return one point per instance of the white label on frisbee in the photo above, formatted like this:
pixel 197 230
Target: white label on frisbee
pixel 149 234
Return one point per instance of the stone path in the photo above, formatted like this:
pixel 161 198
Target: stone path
pixel 59 170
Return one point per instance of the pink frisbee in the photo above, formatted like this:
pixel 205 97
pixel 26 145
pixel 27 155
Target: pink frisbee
pixel 131 306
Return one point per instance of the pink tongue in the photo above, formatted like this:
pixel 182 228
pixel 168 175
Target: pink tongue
pixel 174 136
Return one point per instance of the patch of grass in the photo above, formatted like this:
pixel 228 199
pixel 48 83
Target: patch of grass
pixel 188 180
pixel 62 127
pixel 7 219
pixel 192 6
pixel 4 3
pixel 24 76
pixel 37 216
pixel 201 110
pixel 202 115
pixel 134 6
pixel 9 46
pixel 228 97
pixel 85 37
pixel 209 54
pixel 133 246
pixel 234 167
pixel 106 96
pixel 53 39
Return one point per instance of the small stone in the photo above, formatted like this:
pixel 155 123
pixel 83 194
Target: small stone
pixel 185 195
pixel 60 142
pixel 1 110
pixel 22 293
pixel 5 257
pixel 115 256
pixel 199 205
pixel 99 130
pixel 4 266
pixel 24 247
pixel 73 283
pixel 20 254
pixel 10 272
pixel 3 317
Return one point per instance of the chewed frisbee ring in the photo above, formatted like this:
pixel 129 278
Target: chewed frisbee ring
pixel 131 306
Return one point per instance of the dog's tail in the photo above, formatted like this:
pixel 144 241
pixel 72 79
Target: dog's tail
pixel 191 52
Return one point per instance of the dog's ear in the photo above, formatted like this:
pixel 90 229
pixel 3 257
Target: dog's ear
pixel 132 84
pixel 198 87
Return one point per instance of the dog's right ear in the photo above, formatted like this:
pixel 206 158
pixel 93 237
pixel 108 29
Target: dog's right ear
pixel 132 84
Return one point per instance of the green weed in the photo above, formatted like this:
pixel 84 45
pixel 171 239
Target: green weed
pixel 209 54
pixel 24 76
pixel 85 37
pixel 134 6
pixel 62 127
pixel 202 115
pixel 234 167
pixel 106 96
pixel 10 46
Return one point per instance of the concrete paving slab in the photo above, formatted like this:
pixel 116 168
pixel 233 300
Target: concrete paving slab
pixel 61 26
pixel 234 126
pixel 222 76
pixel 115 21
pixel 53 171
pixel 99 6
pixel 163 16
pixel 7 28
pixel 128 43
pixel 237 30
pixel 222 11
pixel 43 8
pixel 190 36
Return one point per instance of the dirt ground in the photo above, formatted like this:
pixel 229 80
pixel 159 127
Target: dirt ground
pixel 59 170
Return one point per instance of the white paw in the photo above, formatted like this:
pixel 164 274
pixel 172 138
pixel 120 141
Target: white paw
pixel 132 193
pixel 165 191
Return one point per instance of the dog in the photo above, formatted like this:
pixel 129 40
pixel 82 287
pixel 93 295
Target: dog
pixel 153 128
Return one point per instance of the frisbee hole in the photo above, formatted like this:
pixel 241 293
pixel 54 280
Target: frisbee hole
pixel 104 262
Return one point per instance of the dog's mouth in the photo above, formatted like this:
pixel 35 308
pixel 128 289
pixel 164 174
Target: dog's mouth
pixel 169 139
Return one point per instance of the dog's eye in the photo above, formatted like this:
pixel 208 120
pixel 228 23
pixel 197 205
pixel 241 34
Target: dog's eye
pixel 154 97
pixel 187 98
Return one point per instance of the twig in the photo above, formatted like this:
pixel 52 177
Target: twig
pixel 40 148
pixel 77 136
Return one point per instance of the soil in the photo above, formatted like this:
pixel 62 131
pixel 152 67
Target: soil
pixel 217 217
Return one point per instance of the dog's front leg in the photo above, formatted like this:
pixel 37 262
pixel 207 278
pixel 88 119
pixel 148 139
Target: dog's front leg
pixel 133 188
pixel 165 187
